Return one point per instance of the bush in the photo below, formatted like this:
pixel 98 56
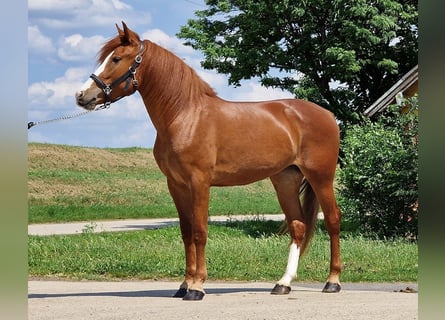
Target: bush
pixel 378 177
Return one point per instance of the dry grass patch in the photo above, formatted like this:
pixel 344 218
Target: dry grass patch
pixel 68 183
pixel 46 156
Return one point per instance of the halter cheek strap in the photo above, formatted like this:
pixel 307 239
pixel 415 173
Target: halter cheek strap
pixel 127 76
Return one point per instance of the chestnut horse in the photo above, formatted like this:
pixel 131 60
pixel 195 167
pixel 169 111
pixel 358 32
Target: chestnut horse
pixel 204 141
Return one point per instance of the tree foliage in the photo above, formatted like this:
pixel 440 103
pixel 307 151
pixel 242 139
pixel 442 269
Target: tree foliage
pixel 378 180
pixel 340 54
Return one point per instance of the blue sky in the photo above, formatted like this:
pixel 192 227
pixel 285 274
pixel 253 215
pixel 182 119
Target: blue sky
pixel 63 40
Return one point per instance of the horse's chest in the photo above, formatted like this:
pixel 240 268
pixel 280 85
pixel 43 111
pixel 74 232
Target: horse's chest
pixel 171 165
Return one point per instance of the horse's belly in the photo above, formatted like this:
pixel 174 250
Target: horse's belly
pixel 238 179
pixel 245 171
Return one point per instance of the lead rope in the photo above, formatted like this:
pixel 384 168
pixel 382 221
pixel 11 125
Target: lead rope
pixel 34 123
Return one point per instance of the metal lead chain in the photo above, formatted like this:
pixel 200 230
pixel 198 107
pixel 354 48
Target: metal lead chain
pixel 32 123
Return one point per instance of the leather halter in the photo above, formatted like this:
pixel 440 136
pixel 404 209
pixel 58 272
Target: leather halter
pixel 127 76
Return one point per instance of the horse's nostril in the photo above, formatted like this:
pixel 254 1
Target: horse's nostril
pixel 79 94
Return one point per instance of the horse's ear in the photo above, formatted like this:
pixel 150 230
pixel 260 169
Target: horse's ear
pixel 119 31
pixel 126 32
pixel 127 36
pixel 124 25
pixel 123 34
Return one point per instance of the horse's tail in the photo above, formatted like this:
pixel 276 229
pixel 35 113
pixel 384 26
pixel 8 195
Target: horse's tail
pixel 309 210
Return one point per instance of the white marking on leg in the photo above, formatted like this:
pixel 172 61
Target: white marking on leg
pixel 98 71
pixel 292 265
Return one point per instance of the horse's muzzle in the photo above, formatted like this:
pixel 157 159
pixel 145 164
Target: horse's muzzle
pixel 85 101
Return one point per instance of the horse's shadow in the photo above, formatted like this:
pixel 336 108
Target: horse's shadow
pixel 143 293
pixel 168 293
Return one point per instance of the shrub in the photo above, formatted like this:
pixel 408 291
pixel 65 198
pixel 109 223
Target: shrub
pixel 378 177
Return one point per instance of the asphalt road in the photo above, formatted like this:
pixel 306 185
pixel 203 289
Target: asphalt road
pixel 57 300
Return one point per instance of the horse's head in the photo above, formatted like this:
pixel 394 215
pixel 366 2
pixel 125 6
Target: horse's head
pixel 115 77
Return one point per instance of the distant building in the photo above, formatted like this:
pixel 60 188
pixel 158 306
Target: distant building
pixel 406 87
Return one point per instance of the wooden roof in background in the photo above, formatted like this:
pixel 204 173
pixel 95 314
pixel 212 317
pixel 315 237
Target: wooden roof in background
pixel 407 85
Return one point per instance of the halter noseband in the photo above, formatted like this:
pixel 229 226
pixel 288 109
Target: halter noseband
pixel 127 76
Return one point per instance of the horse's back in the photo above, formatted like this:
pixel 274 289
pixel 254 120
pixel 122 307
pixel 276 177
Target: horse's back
pixel 258 139
pixel 300 119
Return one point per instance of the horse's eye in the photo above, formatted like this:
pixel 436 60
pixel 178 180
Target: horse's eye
pixel 116 59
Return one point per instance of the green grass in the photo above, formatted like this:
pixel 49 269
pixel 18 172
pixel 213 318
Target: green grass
pixel 82 184
pixel 237 251
pixel 89 184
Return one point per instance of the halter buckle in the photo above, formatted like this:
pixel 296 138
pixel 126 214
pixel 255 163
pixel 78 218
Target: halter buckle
pixel 107 90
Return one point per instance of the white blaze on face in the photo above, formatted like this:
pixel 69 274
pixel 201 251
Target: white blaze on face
pixel 98 71
pixel 292 265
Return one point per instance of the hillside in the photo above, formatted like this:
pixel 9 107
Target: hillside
pixel 67 183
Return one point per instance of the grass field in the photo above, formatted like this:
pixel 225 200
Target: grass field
pixel 68 183
pixel 88 184
pixel 237 251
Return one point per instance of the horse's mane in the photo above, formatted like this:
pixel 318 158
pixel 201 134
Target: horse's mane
pixel 168 73
pixel 107 48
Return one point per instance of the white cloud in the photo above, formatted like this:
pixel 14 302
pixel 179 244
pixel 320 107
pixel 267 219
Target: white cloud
pixel 130 108
pixel 255 92
pixel 38 42
pixel 170 43
pixel 56 5
pixel 215 80
pixel 120 5
pixel 80 14
pixel 78 48
pixel 60 92
pixel 36 136
pixel 141 134
pixel 77 6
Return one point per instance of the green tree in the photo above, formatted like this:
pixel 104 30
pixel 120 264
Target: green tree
pixel 378 181
pixel 340 54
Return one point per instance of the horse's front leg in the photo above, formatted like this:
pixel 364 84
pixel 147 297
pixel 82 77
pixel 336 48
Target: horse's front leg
pixel 183 202
pixel 192 205
pixel 200 194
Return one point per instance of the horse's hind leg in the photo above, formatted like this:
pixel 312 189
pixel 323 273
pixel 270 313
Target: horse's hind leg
pixel 332 217
pixel 287 186
pixel 323 186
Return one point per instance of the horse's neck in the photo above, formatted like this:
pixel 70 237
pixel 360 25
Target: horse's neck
pixel 161 115
pixel 171 90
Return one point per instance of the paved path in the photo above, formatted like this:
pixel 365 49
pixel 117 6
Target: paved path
pixel 128 225
pixel 58 300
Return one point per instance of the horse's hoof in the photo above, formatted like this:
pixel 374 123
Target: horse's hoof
pixel 194 295
pixel 180 293
pixel 331 287
pixel 280 289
